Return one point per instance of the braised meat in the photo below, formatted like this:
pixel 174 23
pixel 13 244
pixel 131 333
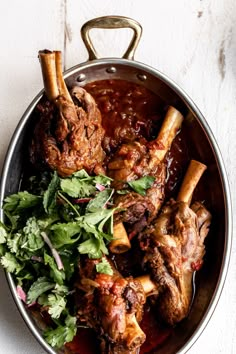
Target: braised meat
pixel 111 305
pixel 141 158
pixel 69 132
pixel 174 249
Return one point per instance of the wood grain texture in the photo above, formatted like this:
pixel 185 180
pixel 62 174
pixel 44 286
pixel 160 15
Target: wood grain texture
pixel 193 42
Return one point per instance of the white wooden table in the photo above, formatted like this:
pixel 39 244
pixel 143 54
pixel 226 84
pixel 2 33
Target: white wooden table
pixel 192 41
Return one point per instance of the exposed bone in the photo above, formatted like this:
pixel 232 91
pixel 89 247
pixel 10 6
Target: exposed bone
pixel 134 334
pixel 170 126
pixel 54 84
pixel 191 179
pixel 121 242
pixel 148 285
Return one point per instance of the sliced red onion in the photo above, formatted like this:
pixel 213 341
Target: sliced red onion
pixel 21 294
pixel 100 187
pixel 53 250
pixel 32 304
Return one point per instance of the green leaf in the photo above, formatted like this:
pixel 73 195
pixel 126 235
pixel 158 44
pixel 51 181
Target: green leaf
pixel 3 233
pixel 122 191
pixel 61 289
pixel 33 239
pixel 91 247
pixel 16 203
pixel 77 188
pixel 55 302
pixel 57 275
pixel 40 286
pixel 96 217
pixel 82 174
pixel 2 250
pixel 49 197
pixel 62 334
pixel 141 185
pixel 104 267
pixel 14 242
pixel 62 233
pixel 99 201
pixel 103 180
pixel 10 263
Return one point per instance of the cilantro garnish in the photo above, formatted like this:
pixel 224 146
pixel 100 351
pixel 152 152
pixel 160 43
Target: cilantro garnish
pixel 44 235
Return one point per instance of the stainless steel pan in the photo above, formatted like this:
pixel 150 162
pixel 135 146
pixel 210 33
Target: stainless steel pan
pixel 211 277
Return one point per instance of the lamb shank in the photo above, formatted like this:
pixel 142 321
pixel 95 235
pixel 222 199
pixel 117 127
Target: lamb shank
pixel 139 159
pixel 69 133
pixel 112 305
pixel 174 249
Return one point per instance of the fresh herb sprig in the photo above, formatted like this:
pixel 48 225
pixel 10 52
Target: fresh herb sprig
pixel 45 234
pixel 47 228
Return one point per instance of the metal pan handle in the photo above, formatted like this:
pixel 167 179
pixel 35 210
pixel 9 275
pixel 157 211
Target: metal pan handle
pixel 110 22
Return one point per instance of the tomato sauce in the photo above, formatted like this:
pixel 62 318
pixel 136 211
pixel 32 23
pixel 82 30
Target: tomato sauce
pixel 130 112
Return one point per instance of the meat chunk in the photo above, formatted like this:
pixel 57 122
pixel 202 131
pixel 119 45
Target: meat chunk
pixel 141 158
pixel 113 306
pixel 69 133
pixel 174 249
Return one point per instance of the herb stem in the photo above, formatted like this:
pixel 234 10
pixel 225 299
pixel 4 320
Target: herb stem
pixel 68 202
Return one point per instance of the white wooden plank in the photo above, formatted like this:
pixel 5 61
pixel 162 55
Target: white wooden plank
pixel 26 27
pixel 193 42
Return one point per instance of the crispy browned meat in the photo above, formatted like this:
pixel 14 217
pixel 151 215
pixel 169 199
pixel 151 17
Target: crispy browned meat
pixel 113 306
pixel 174 249
pixel 69 133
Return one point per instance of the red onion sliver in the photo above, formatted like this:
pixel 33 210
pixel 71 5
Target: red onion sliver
pixel 53 250
pixel 21 294
pixel 100 187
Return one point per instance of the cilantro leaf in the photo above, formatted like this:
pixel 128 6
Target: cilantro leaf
pixel 55 302
pixel 62 233
pixel 3 233
pixel 77 188
pixel 141 185
pixel 49 197
pixel 103 180
pixel 82 174
pixel 10 263
pixel 91 247
pixel 16 203
pixel 33 238
pixel 100 200
pixel 57 275
pixel 104 267
pixel 40 286
pixel 62 334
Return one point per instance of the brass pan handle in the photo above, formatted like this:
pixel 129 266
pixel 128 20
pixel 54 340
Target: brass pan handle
pixel 109 22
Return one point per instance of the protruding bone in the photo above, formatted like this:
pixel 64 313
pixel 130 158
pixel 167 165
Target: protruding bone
pixel 121 242
pixel 170 126
pixel 134 334
pixel 148 286
pixel 54 84
pixel 191 179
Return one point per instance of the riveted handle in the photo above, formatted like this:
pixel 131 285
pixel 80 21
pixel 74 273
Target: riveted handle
pixel 110 22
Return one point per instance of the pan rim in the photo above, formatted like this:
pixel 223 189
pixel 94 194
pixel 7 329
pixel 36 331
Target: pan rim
pixel 220 165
